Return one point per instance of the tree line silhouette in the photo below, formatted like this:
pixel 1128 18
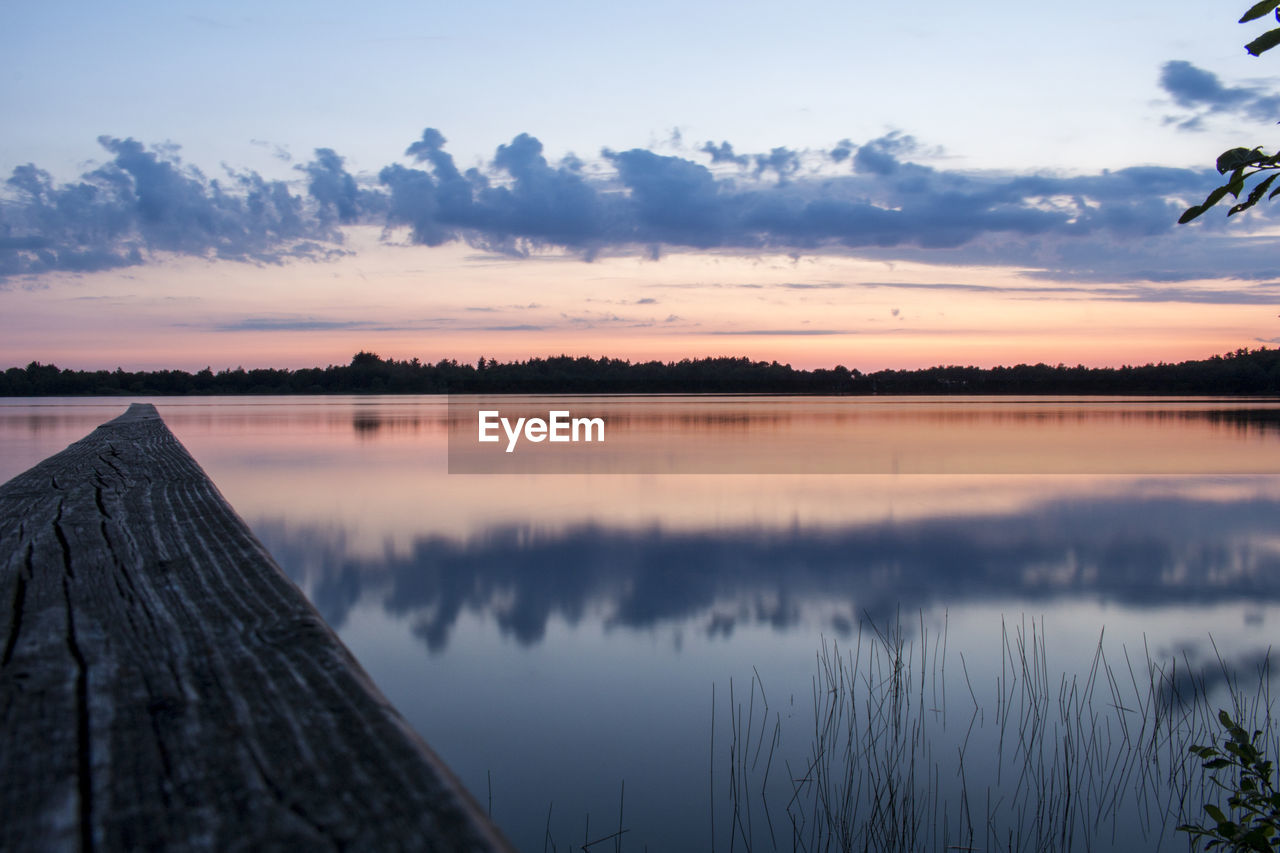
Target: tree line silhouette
pixel 1243 372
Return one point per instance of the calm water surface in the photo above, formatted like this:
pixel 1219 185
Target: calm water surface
pixel 556 636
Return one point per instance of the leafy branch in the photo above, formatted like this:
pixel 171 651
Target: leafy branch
pixel 1270 38
pixel 1245 163
pixel 1238 161
pixel 1254 822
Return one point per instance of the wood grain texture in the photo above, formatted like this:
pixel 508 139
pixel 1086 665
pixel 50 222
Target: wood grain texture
pixel 163 684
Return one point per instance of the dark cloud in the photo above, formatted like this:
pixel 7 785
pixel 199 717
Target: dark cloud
pixel 781 161
pixel 433 203
pixel 528 204
pixel 542 206
pixel 723 153
pixel 881 156
pixel 143 201
pixel 1114 226
pixel 1197 89
pixel 332 186
pixel 671 200
pixel 1193 87
pixel 428 147
pixel 841 151
pixel 413 201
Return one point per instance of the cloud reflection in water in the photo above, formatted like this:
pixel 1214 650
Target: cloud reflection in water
pixel 1154 551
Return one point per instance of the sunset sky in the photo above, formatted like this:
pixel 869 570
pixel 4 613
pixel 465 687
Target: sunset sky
pixel 875 185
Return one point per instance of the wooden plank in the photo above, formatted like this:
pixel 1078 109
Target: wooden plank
pixel 163 684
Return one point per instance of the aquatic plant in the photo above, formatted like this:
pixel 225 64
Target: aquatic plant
pixel 1094 761
pixel 1253 822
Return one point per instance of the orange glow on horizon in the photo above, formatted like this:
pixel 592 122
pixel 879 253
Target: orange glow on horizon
pixel 450 303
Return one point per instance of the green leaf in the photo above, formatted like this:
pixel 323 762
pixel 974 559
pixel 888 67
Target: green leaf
pixel 1236 158
pixel 1258 10
pixel 1254 198
pixel 1256 836
pixel 1264 42
pixel 1215 813
pixel 1191 213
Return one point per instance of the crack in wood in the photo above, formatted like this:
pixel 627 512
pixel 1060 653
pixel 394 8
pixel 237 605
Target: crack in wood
pixel 84 762
pixel 97 499
pixel 15 616
pixel 62 541
pixel 106 458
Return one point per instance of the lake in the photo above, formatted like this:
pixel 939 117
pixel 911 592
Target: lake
pixel 758 622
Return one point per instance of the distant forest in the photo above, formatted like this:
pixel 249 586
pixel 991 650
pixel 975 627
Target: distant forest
pixel 1243 372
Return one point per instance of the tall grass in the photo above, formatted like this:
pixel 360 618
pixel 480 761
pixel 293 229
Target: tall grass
pixel 910 752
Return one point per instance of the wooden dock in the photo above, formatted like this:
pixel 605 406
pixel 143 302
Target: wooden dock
pixel 164 685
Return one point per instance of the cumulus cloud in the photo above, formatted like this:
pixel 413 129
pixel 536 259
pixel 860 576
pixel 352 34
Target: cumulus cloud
pixel 781 161
pixel 882 156
pixel 723 153
pixel 1201 91
pixel 870 199
pixel 144 201
pixel 333 187
pixel 536 205
pixel 671 201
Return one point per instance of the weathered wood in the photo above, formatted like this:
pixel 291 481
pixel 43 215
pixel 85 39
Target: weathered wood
pixel 164 685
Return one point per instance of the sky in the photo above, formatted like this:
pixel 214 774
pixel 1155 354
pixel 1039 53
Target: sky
pixel 818 183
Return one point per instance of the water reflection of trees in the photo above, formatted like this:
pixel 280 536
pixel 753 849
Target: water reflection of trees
pixel 369 422
pixel 1155 552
